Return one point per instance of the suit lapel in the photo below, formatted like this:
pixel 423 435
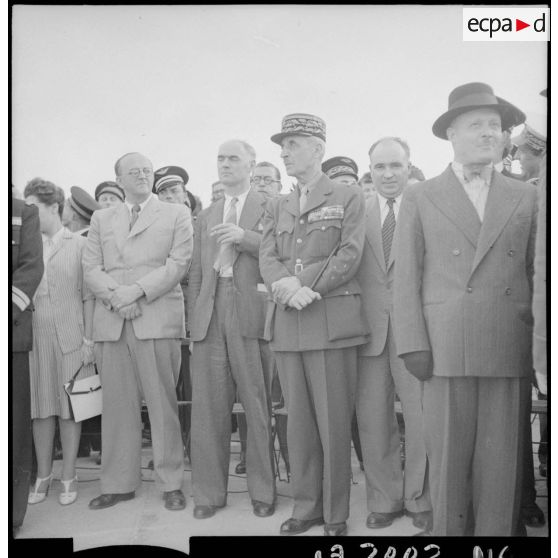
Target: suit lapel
pixel 146 217
pixel 450 198
pixel 373 230
pixel 214 217
pixel 318 195
pixel 501 202
pixel 121 225
pixel 251 212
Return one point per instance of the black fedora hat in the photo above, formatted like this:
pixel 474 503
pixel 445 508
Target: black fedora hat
pixel 472 96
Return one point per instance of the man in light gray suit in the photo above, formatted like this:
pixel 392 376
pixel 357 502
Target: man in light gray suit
pixel 381 373
pixel 136 255
pixel 462 317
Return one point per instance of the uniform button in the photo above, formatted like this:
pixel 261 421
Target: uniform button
pixel 301 221
pixel 299 240
pixel 456 252
pixel 346 292
pixel 323 228
pixel 508 291
pixel 298 260
pixel 469 289
pixel 511 253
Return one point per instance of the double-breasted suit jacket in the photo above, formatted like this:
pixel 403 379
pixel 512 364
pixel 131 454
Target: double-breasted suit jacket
pixel 464 290
pixel 464 293
pixel 155 254
pixel 202 281
pixel 381 374
pixel 227 317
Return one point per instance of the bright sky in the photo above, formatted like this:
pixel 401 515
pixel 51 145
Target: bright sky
pixel 91 83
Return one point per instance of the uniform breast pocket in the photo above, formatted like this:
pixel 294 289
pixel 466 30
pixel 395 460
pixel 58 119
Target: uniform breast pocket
pixel 324 235
pixel 283 235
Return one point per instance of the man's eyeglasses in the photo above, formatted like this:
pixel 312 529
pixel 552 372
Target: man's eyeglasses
pixel 267 180
pixel 136 172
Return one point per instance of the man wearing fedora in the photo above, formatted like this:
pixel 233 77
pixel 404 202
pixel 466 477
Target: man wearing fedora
pixel 462 316
pixel 311 248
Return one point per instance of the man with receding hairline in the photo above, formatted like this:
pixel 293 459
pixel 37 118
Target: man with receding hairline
pixel 136 254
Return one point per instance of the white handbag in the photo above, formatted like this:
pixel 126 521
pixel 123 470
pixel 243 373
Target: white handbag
pixel 86 396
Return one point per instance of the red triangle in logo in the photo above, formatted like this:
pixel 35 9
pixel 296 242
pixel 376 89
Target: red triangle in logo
pixel 519 25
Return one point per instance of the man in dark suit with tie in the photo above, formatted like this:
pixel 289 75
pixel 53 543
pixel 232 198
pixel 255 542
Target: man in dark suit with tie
pixel 226 305
pixel 310 252
pixel 381 372
pixel 27 271
pixel 462 317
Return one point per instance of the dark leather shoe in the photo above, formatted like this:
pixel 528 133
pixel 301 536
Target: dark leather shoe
pixel 240 469
pixel 174 500
pixel 203 512
pixel 296 526
pixel 335 529
pixel 532 515
pixel 107 500
pixel 378 520
pixel 261 509
pixel 421 520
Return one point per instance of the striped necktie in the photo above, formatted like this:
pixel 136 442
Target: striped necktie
pixel 226 252
pixel 388 228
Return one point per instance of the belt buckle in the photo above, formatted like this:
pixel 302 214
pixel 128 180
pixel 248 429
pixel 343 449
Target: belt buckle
pixel 298 267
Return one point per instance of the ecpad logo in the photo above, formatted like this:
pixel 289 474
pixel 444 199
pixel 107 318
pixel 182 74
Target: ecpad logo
pixel 506 24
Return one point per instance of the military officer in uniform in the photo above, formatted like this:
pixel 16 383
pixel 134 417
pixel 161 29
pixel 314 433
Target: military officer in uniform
pixel 310 252
pixel 27 271
pixel 342 170
pixel 109 194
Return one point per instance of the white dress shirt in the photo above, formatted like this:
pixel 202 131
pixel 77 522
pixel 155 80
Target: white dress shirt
pixel 228 271
pixel 142 205
pixel 384 207
pixel 477 188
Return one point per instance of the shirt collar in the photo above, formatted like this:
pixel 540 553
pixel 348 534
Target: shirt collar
pixel 382 200
pixel 142 204
pixel 485 172
pixel 311 183
pixel 239 197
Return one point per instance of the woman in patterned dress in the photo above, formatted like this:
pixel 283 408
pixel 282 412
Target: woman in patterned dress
pixel 62 327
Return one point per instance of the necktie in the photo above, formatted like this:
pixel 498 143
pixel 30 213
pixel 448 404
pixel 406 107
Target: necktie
pixel 226 252
pixel 388 228
pixel 303 198
pixel 135 214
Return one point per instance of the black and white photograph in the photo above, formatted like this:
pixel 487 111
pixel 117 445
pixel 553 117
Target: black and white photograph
pixel 279 271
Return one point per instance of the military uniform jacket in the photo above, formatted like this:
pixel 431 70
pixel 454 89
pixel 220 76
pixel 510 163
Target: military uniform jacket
pixel 249 291
pixel 462 288
pixel 333 217
pixel 27 271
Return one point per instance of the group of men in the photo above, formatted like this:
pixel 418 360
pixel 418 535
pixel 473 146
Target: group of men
pixel 420 290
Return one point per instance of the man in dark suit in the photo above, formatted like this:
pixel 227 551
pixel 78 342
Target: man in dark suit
pixel 311 249
pixel 226 305
pixel 381 372
pixel 27 271
pixel 462 317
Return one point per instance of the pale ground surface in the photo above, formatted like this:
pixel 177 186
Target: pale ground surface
pixel 144 520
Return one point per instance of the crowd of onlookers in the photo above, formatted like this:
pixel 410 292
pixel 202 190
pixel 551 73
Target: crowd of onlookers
pixel 330 301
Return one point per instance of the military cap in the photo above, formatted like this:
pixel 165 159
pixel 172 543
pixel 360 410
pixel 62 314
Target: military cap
pixel 300 124
pixel 472 96
pixel 109 187
pixel 169 176
pixel 338 166
pixel 82 203
pixel 533 136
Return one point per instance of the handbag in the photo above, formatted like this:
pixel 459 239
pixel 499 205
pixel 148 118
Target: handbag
pixel 86 395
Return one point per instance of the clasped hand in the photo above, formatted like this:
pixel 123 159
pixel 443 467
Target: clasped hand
pixel 289 291
pixel 227 232
pixel 124 295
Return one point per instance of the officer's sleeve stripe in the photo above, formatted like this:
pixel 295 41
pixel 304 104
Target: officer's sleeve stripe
pixel 19 298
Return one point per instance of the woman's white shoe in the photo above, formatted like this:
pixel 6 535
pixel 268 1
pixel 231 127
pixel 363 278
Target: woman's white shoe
pixel 35 497
pixel 68 496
